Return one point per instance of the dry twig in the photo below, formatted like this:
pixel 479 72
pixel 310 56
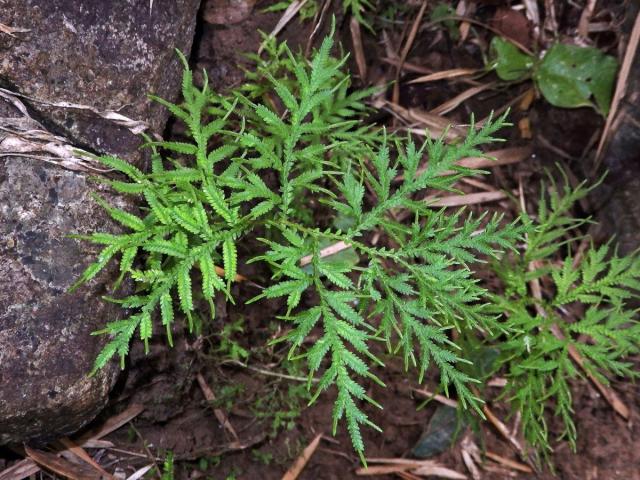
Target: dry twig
pixel 302 460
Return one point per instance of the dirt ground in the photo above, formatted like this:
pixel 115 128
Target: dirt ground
pixel 265 399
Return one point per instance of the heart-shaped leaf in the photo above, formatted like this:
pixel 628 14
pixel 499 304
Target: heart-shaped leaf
pixel 570 76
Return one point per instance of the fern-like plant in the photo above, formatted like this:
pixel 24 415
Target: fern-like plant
pixel 579 325
pixel 203 197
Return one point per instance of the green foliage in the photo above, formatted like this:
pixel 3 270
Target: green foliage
pixel 282 406
pixel 166 471
pixel 355 8
pixel 229 347
pixel 568 76
pixel 509 62
pixel 443 12
pixel 250 165
pixel 584 307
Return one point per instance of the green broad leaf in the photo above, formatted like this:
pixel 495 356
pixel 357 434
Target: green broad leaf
pixel 508 61
pixel 570 76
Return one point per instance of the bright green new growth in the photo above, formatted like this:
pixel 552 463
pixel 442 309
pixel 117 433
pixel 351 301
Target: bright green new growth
pixel 407 291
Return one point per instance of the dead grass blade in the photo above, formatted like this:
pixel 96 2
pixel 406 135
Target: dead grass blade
pixel 512 464
pixel 140 473
pixel 467 199
pixel 269 373
pixel 550 24
pixel 435 396
pixel 302 460
pixel 23 469
pixel 317 21
pixel 25 137
pixel 84 456
pixel 445 75
pixel 621 85
pixel 356 39
pixel 410 67
pixel 407 466
pixel 583 24
pixel 10 30
pixel 439 472
pixel 98 444
pixel 405 50
pixel 134 126
pixel 455 102
pixel 30 466
pixel 503 430
pixel 530 93
pixel 433 125
pixel 462 9
pixel 494 158
pixel 470 456
pixel 288 14
pixel 326 252
pixel 112 424
pixel 533 14
pixel 220 450
pixel 51 462
pixel 239 278
pixel 220 415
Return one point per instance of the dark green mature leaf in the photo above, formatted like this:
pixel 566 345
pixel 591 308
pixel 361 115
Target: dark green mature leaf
pixel 570 76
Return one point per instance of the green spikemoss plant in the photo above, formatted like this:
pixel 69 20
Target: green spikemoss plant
pixel 585 307
pixel 204 197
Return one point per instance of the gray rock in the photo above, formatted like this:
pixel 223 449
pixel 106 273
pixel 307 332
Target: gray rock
pixel 106 54
pixel 46 349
